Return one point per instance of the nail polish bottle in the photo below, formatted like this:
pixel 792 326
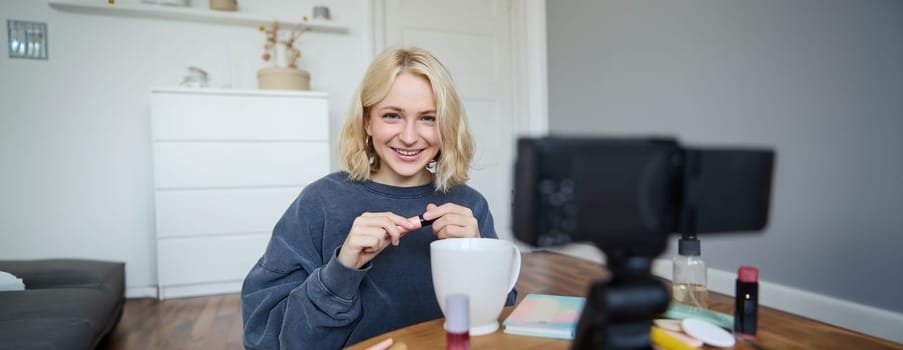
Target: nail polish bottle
pixel 457 322
pixel 746 299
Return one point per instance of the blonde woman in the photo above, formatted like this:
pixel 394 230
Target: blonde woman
pixel 349 259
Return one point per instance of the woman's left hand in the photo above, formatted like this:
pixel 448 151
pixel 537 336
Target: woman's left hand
pixel 453 221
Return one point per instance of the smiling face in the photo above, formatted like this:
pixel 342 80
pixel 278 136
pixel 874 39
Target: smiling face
pixel 404 132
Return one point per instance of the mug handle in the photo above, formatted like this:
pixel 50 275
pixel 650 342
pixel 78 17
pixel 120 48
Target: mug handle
pixel 515 267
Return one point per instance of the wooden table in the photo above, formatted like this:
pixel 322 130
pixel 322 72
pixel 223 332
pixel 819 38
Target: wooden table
pixel 551 273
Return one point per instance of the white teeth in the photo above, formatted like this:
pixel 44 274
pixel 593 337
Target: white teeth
pixel 406 153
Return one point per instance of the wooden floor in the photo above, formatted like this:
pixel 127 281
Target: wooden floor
pixel 214 322
pixel 208 323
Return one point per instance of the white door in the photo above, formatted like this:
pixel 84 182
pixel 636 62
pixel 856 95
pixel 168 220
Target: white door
pixel 472 39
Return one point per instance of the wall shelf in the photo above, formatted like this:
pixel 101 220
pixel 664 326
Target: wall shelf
pixel 189 14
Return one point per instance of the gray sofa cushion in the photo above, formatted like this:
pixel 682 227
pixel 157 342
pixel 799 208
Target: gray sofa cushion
pixel 66 304
pixel 94 306
pixel 55 273
pixel 46 333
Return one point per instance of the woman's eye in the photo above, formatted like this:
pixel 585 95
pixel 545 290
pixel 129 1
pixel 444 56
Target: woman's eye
pixel 391 116
pixel 428 118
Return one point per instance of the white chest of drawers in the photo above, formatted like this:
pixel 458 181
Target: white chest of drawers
pixel 227 163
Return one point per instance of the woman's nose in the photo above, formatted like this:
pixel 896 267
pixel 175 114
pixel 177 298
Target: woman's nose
pixel 409 134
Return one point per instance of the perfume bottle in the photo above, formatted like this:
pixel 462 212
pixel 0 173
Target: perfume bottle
pixel 688 284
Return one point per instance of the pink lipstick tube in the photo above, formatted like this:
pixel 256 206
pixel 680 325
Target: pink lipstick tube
pixel 746 299
pixel 418 221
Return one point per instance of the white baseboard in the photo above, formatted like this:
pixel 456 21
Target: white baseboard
pixel 858 317
pixel 194 290
pixel 183 291
pixel 141 292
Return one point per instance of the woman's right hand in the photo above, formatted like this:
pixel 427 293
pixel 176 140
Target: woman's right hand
pixel 370 234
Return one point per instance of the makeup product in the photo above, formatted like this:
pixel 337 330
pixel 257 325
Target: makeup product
pixel 746 299
pixel 457 322
pixel 418 221
pixel 668 341
pixel 708 333
pixel 688 284
pixel 423 222
pixel 667 324
pixel 681 311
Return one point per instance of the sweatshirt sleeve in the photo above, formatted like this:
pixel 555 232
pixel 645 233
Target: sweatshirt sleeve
pixel 481 212
pixel 292 298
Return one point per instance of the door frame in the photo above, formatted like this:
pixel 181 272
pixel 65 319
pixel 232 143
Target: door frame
pixel 528 55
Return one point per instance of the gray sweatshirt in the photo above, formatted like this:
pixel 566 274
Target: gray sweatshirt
pixel 299 296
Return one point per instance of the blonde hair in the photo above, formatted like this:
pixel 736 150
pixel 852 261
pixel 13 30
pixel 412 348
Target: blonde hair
pixel 455 141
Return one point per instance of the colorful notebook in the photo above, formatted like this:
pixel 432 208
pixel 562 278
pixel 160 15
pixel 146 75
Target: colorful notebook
pixel 544 315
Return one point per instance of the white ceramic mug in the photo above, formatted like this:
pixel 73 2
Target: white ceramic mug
pixel 484 269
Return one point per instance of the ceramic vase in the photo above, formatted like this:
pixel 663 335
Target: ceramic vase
pixel 282 78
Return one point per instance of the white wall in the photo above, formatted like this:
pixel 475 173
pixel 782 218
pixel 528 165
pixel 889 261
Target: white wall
pixel 76 176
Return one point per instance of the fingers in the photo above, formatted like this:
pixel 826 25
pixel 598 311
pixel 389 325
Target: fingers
pixel 361 245
pixel 368 241
pixel 369 235
pixel 414 222
pixel 445 227
pixel 433 211
pixel 453 221
pixel 390 223
pixel 452 231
